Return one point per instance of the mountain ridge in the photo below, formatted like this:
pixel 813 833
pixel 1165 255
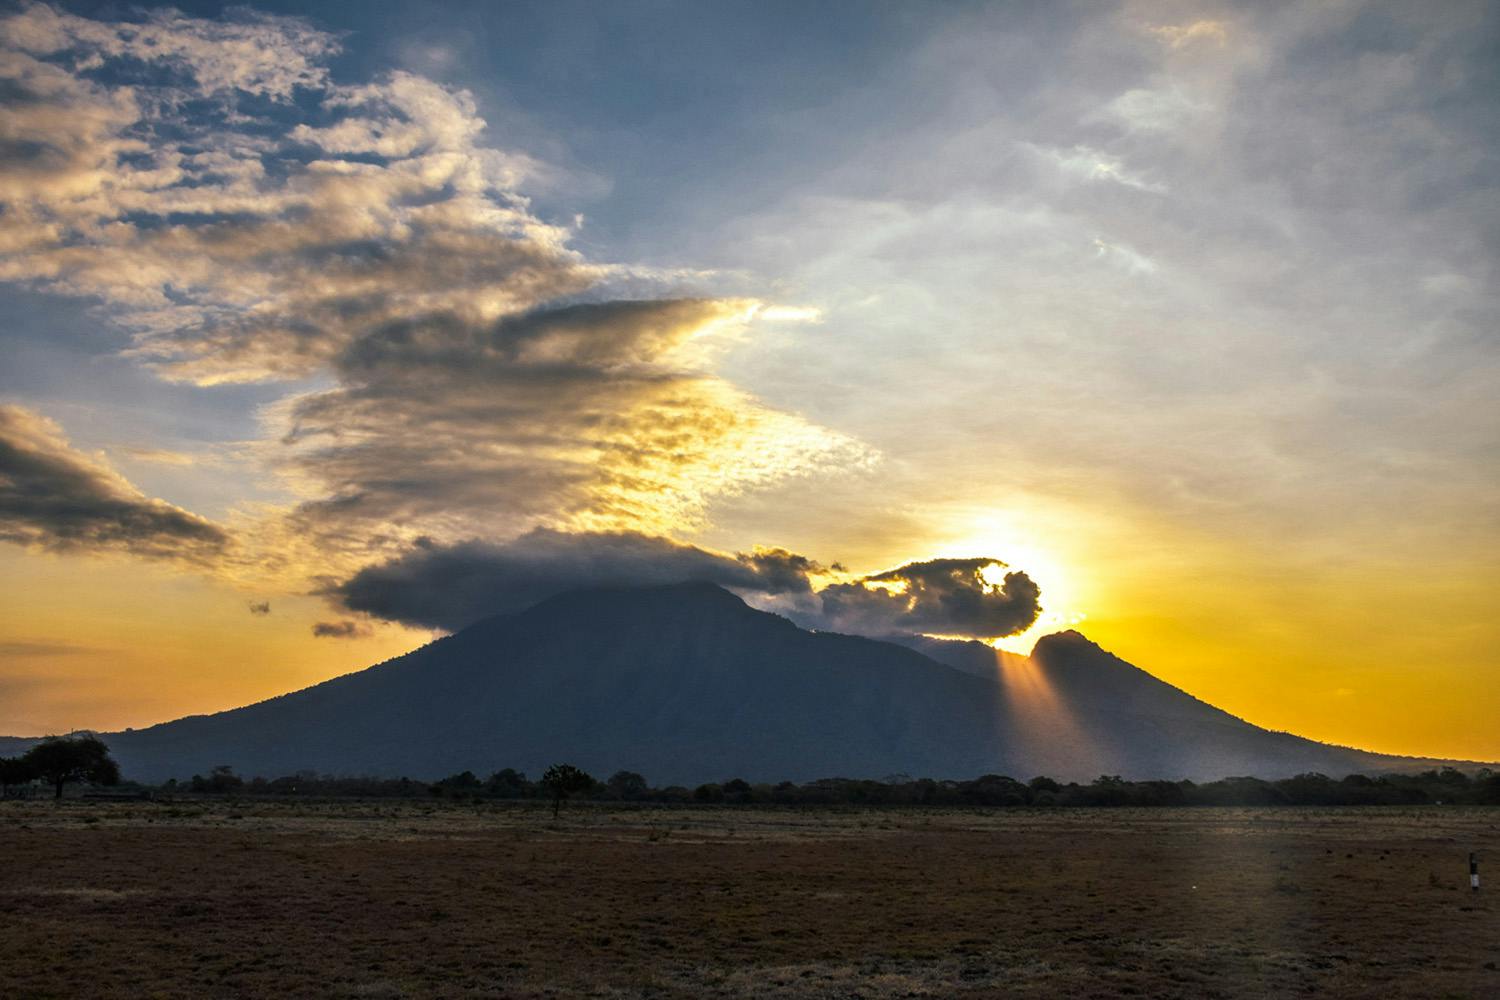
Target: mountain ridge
pixel 686 683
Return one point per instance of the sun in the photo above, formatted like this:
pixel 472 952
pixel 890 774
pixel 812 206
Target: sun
pixel 1050 571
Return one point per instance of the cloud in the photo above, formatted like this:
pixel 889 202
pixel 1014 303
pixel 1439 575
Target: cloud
pixel 1177 36
pixel 951 597
pixel 1156 110
pixel 22 647
pixel 244 217
pixel 54 497
pixel 344 629
pixel 449 587
pixel 1086 163
pixel 593 416
pixel 260 608
pixel 165 456
pixel 255 53
pixel 165 167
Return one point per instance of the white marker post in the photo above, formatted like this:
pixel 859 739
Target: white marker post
pixel 1473 872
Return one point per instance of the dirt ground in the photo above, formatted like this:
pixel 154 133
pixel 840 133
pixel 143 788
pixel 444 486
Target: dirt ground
pixel 417 899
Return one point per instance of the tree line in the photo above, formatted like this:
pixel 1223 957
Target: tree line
pixel 57 761
pixel 1446 786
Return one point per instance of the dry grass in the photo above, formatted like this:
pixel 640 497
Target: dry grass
pixel 387 900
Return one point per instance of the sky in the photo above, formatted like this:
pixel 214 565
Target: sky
pixel 333 327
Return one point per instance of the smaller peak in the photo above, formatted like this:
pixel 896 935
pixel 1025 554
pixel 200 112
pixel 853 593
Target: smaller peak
pixel 1070 647
pixel 1066 638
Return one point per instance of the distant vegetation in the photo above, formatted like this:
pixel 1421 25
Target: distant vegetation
pixel 58 761
pixel 1447 786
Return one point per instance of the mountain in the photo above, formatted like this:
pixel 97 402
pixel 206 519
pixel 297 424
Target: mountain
pixel 687 684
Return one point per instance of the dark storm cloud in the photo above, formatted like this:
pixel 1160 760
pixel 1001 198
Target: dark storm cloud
pixel 937 597
pixel 344 629
pixel 448 587
pixel 53 496
pixel 451 586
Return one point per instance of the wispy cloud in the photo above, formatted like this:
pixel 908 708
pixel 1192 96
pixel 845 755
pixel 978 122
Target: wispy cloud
pixel 1201 31
pixel 43 648
pixel 343 629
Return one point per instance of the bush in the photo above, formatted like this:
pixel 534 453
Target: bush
pixel 627 786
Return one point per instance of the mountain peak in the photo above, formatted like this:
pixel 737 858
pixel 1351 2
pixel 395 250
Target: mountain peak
pixel 699 594
pixel 1068 639
pixel 669 606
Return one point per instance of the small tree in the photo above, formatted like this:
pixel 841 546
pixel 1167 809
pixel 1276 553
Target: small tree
pixel 58 760
pixel 563 780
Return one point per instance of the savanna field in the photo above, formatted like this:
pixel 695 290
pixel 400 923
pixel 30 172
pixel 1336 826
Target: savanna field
pixel 218 898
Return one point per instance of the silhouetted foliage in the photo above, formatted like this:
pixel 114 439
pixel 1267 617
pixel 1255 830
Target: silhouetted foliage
pixel 509 783
pixel 738 790
pixel 14 772
pixel 462 785
pixel 994 790
pixel 627 786
pixel 1448 786
pixel 1487 788
pixel 220 781
pixel 563 780
pixel 59 760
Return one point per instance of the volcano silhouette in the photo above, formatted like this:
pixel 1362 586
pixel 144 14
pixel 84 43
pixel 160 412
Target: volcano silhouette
pixel 687 684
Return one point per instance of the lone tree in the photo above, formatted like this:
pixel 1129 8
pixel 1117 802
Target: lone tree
pixel 563 780
pixel 58 760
